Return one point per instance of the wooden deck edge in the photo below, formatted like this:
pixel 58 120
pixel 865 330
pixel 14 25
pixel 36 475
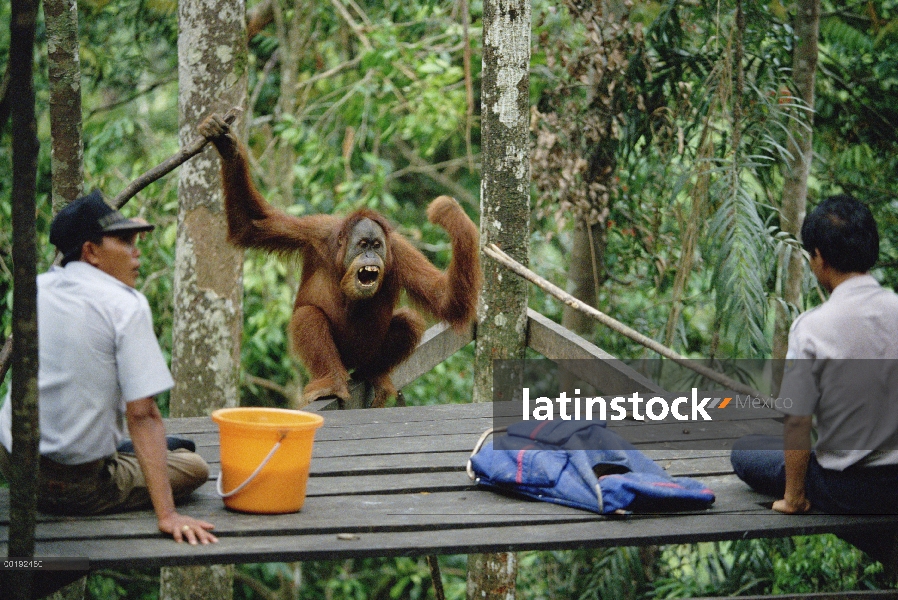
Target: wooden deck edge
pixel 330 403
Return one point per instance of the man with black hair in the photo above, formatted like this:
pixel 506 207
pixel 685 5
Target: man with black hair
pixel 842 369
pixel 100 368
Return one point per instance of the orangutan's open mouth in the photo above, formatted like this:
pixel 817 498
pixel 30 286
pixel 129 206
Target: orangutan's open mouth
pixel 368 275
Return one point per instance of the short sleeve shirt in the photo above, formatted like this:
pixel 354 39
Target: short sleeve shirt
pixel 97 352
pixel 842 367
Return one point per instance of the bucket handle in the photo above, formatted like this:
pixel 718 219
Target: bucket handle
pixel 252 475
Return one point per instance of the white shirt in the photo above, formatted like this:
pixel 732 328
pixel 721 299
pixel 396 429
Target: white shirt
pixel 97 351
pixel 842 367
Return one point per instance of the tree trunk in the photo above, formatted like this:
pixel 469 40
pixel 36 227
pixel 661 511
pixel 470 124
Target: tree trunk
pixel 795 186
pixel 492 576
pixel 505 221
pixel 67 150
pixel 505 185
pixel 208 290
pixel 291 18
pixel 67 145
pixel 198 583
pixel 25 425
pixel 586 273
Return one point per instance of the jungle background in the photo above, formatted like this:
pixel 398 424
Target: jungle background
pixel 660 142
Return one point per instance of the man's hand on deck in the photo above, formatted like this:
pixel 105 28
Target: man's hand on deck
pixel 797 450
pixel 792 506
pixel 184 528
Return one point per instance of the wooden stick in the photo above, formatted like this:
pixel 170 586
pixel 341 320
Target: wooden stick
pixel 436 577
pixel 502 258
pixel 162 169
pixel 168 165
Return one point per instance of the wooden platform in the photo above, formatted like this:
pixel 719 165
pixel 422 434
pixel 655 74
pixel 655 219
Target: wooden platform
pixel 392 482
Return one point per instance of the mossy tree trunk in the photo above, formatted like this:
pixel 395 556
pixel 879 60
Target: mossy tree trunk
pixel 64 70
pixel 504 221
pixel 67 146
pixel 208 287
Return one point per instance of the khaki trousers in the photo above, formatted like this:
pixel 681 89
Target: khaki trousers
pixel 112 484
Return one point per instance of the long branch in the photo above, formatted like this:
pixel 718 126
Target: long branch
pixel 356 28
pixel 138 94
pixel 517 268
pixel 167 166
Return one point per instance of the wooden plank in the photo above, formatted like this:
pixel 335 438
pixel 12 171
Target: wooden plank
pixel 436 462
pixel 363 513
pixel 430 508
pixel 419 429
pixel 390 464
pixel 394 480
pixel 325 404
pixel 367 512
pixel 351 449
pixel 409 414
pixel 591 533
pixel 437 344
pixel 697 467
pixel 406 416
pixel 435 452
pixel 632 431
pixel 666 433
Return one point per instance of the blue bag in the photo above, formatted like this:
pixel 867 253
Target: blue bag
pixel 581 464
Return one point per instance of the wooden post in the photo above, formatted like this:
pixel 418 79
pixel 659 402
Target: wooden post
pixel 504 221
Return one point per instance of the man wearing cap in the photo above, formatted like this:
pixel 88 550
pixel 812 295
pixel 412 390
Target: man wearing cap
pixel 100 368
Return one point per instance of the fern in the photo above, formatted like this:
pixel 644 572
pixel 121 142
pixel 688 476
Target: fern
pixel 742 261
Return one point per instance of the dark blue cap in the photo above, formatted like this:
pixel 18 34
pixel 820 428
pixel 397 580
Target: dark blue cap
pixel 88 218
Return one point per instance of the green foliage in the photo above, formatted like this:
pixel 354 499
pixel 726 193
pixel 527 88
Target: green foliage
pixel 130 584
pixel 722 568
pixel 402 578
pixel 584 574
pixel 269 284
pixel 744 567
pixel 801 564
pixel 739 239
pixel 386 128
pixel 857 120
pixel 450 382
pixel 824 564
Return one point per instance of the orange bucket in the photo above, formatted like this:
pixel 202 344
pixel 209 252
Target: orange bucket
pixel 265 458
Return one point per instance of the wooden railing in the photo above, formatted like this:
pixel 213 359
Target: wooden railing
pixel 546 337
